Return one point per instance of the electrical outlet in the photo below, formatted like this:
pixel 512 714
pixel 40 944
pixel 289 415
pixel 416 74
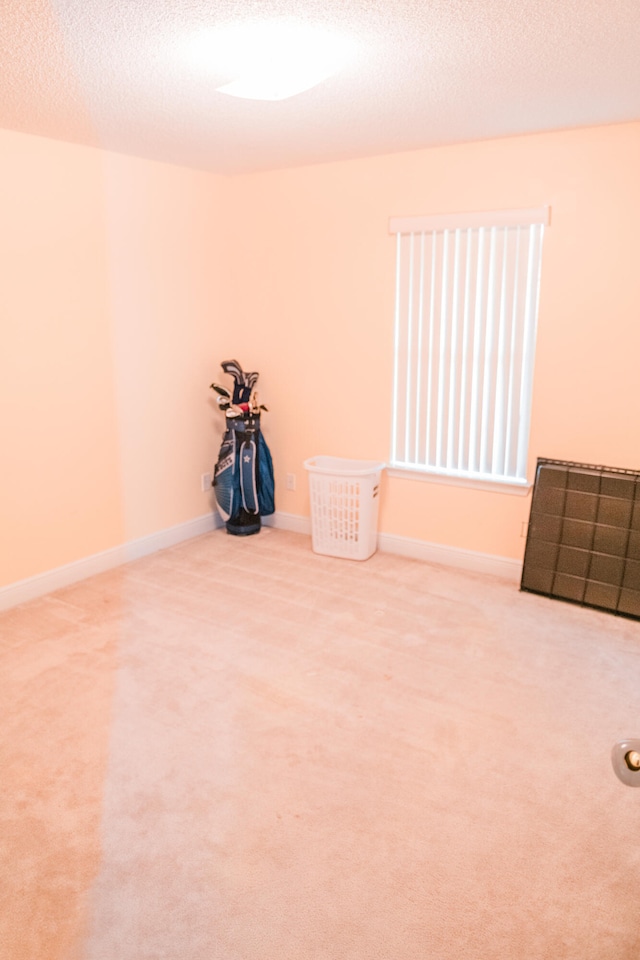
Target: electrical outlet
pixel 205 482
pixel 291 481
pixel 524 529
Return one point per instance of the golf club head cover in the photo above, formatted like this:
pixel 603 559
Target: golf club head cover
pixel 244 382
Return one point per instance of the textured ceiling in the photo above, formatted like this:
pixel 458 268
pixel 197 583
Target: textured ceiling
pixel 116 74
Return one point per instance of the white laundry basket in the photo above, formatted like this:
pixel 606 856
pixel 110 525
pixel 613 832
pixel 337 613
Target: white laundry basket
pixel 344 506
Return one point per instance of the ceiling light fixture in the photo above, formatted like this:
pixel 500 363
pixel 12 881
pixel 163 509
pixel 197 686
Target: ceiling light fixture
pixel 272 60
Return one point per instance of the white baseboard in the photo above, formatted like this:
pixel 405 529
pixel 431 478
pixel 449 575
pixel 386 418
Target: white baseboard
pixel 38 586
pixel 33 587
pixel 289 521
pixel 504 567
pixel 497 566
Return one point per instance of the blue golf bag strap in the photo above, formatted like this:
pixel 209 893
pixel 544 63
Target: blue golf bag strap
pixel 248 486
pixel 225 480
pixel 266 486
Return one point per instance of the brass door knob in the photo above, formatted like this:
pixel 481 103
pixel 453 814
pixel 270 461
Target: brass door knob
pixel 625 758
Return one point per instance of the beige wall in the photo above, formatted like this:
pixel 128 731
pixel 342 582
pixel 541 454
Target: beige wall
pixel 168 304
pixel 314 287
pixel 125 283
pixel 111 306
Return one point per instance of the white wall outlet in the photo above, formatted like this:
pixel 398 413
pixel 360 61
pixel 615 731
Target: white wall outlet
pixel 205 482
pixel 291 481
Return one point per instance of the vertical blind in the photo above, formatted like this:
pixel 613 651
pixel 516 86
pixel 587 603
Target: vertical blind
pixel 467 290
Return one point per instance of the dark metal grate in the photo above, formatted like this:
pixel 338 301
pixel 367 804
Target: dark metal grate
pixel 583 542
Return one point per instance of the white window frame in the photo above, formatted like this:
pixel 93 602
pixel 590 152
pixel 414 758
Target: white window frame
pixel 467 297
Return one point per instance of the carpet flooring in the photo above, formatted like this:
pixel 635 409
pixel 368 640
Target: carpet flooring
pixel 236 749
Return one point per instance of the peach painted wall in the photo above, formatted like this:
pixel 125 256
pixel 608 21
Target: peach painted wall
pixel 125 282
pixel 313 281
pixel 59 497
pixel 109 305
pixel 168 304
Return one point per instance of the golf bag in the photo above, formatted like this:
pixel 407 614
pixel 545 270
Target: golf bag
pixel 243 476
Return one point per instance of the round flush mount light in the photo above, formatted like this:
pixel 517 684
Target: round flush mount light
pixel 272 59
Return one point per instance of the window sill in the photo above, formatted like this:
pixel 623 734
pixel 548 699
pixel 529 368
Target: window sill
pixel 518 488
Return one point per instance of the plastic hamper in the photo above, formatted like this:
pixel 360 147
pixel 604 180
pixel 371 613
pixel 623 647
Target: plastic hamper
pixel 344 506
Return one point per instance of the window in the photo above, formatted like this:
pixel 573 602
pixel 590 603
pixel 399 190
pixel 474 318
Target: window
pixel 466 313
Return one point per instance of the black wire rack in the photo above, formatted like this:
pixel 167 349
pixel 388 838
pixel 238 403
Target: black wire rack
pixel 583 539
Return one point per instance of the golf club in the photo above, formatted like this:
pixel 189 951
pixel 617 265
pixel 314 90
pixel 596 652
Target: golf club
pixel 234 411
pixel 221 390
